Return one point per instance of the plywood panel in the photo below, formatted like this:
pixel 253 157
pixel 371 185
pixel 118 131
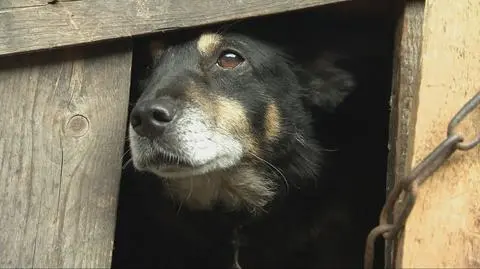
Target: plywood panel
pixel 62 118
pixel 27 26
pixel 443 230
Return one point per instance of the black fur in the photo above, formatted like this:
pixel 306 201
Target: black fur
pixel 307 226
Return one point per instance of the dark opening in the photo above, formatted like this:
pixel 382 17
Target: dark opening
pixel 358 130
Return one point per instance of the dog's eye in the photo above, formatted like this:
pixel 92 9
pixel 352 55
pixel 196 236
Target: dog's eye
pixel 229 60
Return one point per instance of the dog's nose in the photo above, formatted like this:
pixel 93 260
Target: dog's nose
pixel 150 118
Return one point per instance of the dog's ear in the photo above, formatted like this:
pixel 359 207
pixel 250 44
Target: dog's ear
pixel 326 84
pixel 156 49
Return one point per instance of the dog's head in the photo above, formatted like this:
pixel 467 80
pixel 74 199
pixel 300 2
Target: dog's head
pixel 231 112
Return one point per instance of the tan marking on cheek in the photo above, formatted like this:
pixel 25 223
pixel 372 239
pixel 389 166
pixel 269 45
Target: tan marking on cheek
pixel 198 97
pixel 272 122
pixel 230 117
pixel 207 43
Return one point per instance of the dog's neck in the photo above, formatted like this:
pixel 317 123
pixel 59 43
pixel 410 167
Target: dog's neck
pixel 239 188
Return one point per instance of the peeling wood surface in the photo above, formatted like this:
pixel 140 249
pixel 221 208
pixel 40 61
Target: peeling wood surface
pixel 443 230
pixel 36 25
pixel 63 119
pixel 406 82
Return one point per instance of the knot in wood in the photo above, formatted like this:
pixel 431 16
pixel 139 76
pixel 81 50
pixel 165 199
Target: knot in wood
pixel 77 126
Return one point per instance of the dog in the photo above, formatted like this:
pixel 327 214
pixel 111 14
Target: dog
pixel 226 122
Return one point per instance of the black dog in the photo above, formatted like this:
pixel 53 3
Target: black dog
pixel 226 121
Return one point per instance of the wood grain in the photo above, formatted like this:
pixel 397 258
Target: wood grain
pixel 66 23
pixel 405 86
pixel 443 230
pixel 12 4
pixel 63 119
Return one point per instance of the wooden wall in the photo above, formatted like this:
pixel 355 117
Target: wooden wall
pixel 63 113
pixel 29 25
pixel 63 116
pixel 443 230
pixel 63 119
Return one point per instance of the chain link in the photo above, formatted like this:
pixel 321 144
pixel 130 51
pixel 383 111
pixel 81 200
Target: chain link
pixel 409 185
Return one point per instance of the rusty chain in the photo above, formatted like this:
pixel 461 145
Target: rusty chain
pixel 409 184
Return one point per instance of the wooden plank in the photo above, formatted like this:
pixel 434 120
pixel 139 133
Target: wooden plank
pixel 11 4
pixel 443 230
pixel 63 119
pixel 406 82
pixel 77 22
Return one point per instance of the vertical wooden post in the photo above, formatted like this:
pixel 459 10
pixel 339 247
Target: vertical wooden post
pixel 406 82
pixel 443 230
pixel 62 125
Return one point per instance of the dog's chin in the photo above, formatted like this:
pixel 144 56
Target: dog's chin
pixel 185 168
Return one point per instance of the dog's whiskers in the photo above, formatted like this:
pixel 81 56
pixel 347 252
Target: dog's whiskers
pixel 125 154
pixel 127 163
pixel 287 185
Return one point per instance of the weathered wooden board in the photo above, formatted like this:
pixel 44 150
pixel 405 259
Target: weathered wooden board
pixel 406 82
pixel 63 119
pixel 10 4
pixel 28 26
pixel 443 230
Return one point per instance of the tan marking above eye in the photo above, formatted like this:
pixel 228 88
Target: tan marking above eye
pixel 208 43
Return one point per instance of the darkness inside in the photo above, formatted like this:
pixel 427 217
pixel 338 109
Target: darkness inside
pixel 358 130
